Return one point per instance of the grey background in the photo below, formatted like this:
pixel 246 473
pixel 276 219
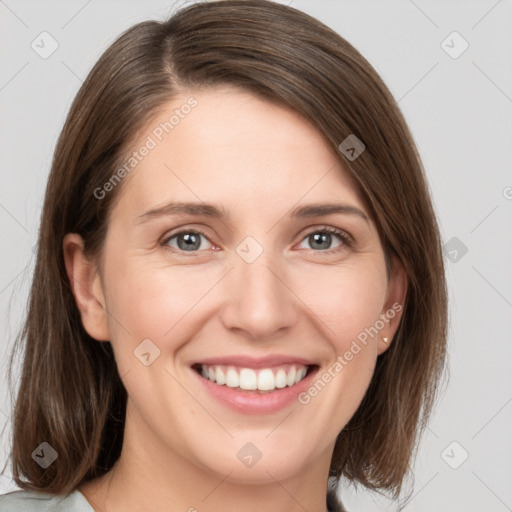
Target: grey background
pixel 459 111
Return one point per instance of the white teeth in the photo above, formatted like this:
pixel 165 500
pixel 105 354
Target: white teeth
pixel 280 379
pixel 290 378
pixel 220 377
pixel 266 379
pixel 248 379
pixel 232 380
pixel 300 375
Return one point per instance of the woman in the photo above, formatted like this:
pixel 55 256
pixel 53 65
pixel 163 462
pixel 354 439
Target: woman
pixel 239 289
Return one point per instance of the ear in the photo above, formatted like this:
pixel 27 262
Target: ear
pixel 394 304
pixel 87 288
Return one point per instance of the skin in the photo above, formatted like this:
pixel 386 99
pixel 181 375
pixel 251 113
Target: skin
pixel 257 160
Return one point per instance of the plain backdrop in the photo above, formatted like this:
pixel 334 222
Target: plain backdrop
pixel 458 103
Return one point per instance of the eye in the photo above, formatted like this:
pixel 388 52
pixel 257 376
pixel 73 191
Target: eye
pixel 322 238
pixel 189 241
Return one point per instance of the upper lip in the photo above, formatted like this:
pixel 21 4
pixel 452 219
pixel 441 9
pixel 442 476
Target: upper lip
pixel 245 361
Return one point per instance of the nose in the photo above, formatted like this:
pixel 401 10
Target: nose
pixel 260 302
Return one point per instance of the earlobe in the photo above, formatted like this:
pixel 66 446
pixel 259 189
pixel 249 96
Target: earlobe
pixel 394 305
pixel 87 288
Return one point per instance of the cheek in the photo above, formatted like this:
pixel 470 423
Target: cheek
pixel 347 299
pixel 158 302
pixel 155 302
pixel 348 302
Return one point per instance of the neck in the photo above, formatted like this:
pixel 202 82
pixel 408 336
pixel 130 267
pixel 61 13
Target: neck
pixel 149 476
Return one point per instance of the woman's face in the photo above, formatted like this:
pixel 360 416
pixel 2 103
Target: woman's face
pixel 218 264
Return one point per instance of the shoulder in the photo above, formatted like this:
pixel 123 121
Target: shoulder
pixel 35 501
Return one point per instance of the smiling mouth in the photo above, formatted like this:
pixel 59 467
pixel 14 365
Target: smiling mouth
pixel 261 380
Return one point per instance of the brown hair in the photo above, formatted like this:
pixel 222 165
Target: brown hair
pixel 71 395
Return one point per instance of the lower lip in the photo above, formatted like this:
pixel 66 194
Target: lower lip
pixel 249 402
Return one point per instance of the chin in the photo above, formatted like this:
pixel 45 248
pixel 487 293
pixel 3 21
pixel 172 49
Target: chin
pixel 255 463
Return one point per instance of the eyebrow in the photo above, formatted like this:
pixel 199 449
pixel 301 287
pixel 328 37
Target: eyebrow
pixel 210 210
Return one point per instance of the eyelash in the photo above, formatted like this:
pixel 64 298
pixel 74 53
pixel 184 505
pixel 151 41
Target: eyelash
pixel 347 241
pixel 345 238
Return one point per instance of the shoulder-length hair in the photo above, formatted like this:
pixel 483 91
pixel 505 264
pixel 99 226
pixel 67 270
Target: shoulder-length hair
pixel 71 395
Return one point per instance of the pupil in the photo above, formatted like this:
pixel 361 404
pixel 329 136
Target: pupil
pixel 191 240
pixel 324 238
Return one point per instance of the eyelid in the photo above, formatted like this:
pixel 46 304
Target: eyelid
pixel 347 239
pixel 167 237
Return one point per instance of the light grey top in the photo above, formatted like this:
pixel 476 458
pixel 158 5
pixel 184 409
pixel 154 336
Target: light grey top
pixel 32 501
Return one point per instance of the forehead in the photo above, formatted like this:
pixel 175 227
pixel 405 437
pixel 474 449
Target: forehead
pixel 228 146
